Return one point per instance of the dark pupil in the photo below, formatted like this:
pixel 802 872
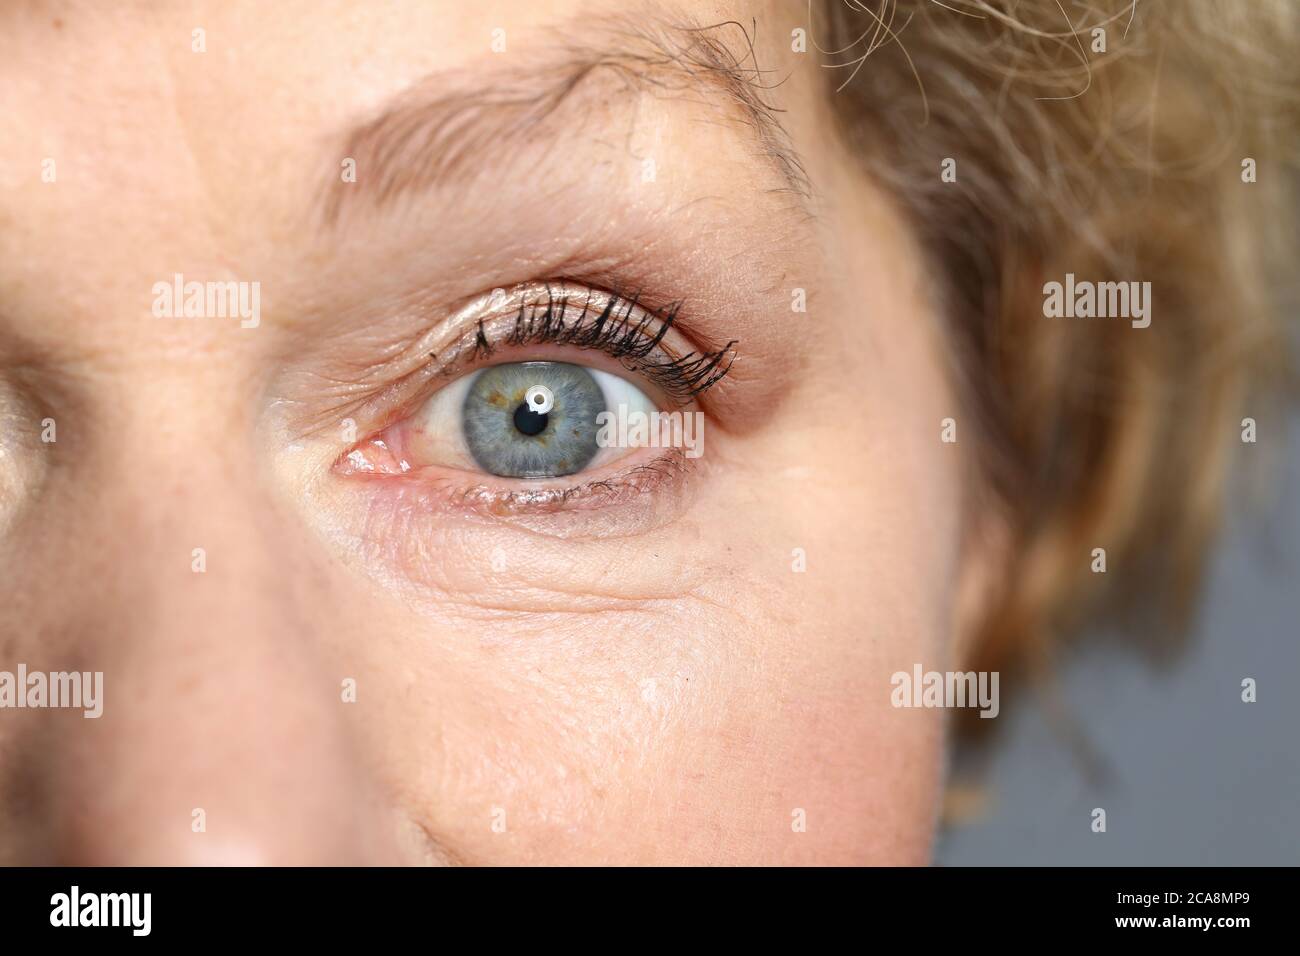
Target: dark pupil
pixel 528 421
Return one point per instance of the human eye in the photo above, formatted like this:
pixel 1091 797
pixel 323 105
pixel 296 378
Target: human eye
pixel 531 419
pixel 530 409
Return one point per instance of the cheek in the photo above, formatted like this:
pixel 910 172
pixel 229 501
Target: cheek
pixel 843 526
pixel 846 581
pixel 817 768
pixel 783 753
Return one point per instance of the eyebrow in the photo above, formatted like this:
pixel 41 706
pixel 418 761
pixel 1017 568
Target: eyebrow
pixel 430 137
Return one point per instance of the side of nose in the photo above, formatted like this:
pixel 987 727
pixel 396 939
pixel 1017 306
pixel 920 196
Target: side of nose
pixel 224 736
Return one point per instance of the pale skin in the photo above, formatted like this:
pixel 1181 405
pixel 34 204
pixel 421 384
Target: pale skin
pixel 645 680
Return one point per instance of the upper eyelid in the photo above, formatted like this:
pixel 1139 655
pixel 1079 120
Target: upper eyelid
pixel 463 340
pixel 620 327
pixel 613 318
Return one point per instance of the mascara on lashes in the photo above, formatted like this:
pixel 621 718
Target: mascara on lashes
pixel 619 334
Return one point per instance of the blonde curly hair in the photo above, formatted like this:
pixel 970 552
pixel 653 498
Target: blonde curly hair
pixel 1116 142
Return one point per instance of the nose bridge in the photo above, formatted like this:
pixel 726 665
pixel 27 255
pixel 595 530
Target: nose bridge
pixel 223 736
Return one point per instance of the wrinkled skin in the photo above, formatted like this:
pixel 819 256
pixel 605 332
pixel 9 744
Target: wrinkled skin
pixel 697 672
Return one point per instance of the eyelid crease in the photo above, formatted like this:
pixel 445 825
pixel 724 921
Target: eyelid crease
pixel 558 312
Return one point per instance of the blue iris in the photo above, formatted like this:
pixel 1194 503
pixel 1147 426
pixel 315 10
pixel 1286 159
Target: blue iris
pixel 508 438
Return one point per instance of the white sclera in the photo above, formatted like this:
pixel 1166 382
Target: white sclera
pixel 619 391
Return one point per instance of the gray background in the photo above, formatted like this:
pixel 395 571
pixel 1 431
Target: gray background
pixel 1193 776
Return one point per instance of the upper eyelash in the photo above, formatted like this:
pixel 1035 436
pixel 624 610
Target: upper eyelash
pixel 539 321
pixel 616 332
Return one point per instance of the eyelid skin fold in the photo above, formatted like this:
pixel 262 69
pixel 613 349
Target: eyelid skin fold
pixel 585 318
pixel 554 316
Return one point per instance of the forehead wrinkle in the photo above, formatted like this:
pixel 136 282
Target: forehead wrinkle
pixel 450 127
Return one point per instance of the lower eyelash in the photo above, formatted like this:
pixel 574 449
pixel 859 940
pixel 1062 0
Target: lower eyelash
pixel 404 523
pixel 667 469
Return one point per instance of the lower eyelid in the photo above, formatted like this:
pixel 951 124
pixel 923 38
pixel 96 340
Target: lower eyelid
pixel 629 500
pixel 412 529
pixel 485 485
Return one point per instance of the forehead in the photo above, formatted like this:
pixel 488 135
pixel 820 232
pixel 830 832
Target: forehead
pixel 139 144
